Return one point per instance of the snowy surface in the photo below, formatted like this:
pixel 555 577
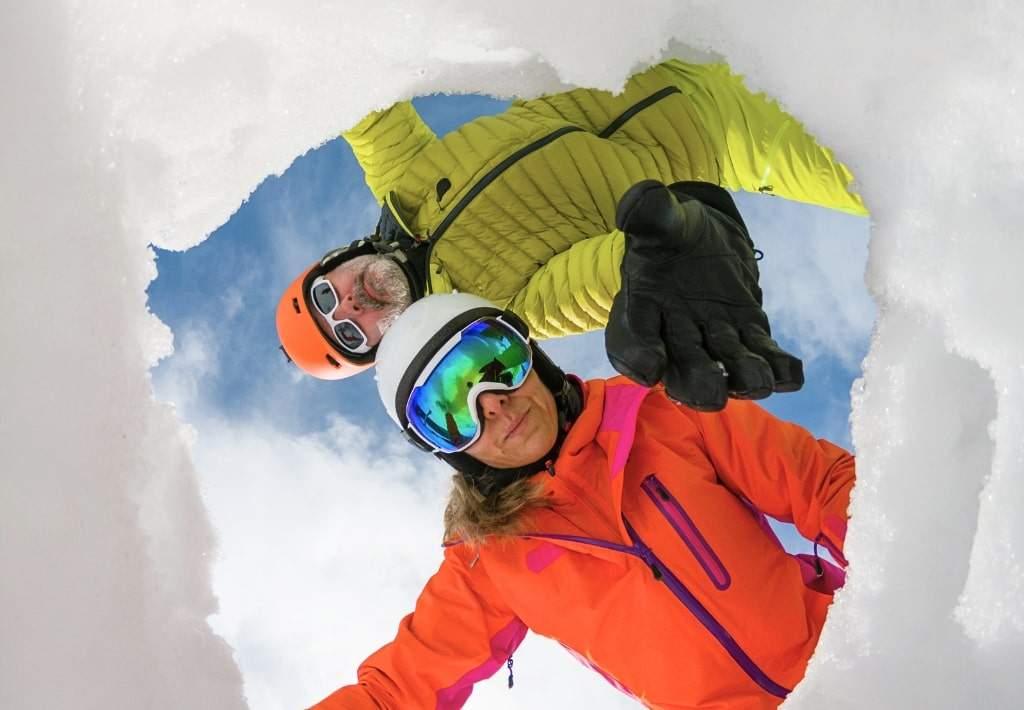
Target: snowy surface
pixel 127 124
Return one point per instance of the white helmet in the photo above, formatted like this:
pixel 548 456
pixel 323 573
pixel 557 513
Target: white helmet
pixel 414 339
pixel 421 329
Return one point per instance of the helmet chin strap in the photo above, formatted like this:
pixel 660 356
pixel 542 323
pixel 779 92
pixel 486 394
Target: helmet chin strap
pixel 413 263
pixel 568 396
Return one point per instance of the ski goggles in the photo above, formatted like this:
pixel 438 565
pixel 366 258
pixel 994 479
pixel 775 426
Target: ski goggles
pixel 485 356
pixel 346 331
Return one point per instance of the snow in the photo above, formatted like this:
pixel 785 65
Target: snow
pixel 127 124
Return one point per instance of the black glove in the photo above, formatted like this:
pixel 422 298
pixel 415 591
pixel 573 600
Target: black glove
pixel 690 304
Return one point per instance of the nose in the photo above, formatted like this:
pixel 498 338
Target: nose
pixel 491 403
pixel 347 306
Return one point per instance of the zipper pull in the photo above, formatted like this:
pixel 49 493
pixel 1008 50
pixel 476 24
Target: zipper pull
pixel 509 664
pixel 646 555
pixel 549 466
pixel 817 560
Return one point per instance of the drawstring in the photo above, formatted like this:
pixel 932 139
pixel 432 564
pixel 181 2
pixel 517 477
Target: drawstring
pixel 758 254
pixel 817 561
pixel 509 664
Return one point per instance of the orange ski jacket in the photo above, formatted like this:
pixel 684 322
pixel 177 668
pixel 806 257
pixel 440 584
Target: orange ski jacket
pixel 653 564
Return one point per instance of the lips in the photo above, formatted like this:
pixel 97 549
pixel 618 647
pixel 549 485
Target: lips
pixel 515 425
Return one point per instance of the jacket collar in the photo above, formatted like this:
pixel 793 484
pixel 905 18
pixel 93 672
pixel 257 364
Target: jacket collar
pixel 608 419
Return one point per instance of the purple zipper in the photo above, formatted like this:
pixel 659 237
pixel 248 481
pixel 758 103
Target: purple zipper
pixel 688 531
pixel 663 574
pixel 705 617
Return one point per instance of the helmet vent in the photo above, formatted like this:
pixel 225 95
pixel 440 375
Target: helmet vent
pixel 295 305
pixel 333 361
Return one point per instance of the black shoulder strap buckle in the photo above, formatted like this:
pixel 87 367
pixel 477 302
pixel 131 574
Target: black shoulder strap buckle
pixel 393 225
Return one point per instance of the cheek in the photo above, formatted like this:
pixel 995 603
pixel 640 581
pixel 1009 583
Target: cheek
pixel 485 448
pixel 546 430
pixel 369 322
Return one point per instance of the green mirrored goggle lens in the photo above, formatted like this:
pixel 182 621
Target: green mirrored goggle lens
pixel 442 410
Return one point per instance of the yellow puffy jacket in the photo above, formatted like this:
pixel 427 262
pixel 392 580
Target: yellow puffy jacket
pixel 519 208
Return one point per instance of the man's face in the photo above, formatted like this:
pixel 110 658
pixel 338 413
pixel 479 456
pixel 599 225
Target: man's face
pixel 372 290
pixel 518 427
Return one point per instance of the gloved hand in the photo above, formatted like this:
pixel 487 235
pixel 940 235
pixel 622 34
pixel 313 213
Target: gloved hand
pixel 689 311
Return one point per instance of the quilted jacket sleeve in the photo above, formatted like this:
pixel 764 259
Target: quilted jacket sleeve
pixel 385 143
pixel 755 144
pixel 761 147
pixel 460 632
pixel 782 470
pixel 573 292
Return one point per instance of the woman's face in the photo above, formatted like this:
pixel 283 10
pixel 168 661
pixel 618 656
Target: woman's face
pixel 519 426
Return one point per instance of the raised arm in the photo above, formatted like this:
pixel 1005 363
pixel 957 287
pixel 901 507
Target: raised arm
pixel 782 470
pixel 385 143
pixel 760 147
pixel 756 145
pixel 460 632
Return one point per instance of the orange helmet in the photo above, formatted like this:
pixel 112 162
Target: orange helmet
pixel 302 339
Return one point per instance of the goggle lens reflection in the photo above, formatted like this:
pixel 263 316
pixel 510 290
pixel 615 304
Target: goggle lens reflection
pixel 489 355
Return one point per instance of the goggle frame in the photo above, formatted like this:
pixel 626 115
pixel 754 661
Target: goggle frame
pixel 419 439
pixel 361 349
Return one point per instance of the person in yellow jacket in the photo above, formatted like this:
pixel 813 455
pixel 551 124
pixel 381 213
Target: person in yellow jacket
pixel 520 208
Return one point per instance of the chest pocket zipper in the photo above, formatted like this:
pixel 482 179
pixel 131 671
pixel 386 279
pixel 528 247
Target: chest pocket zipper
pixel 683 524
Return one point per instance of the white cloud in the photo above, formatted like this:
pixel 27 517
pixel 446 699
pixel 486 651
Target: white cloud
pixel 812 276
pixel 324 543
pixel 297 229
pixel 232 302
pixel 180 379
pixel 581 355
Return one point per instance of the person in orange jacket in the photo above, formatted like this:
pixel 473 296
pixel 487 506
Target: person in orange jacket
pixel 606 516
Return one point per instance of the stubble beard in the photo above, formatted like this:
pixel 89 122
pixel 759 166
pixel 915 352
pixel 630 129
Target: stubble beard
pixel 390 287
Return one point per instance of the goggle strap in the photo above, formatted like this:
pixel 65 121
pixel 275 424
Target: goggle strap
pixel 412 436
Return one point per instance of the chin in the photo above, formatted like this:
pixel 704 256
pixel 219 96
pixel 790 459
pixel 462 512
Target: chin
pixel 543 450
